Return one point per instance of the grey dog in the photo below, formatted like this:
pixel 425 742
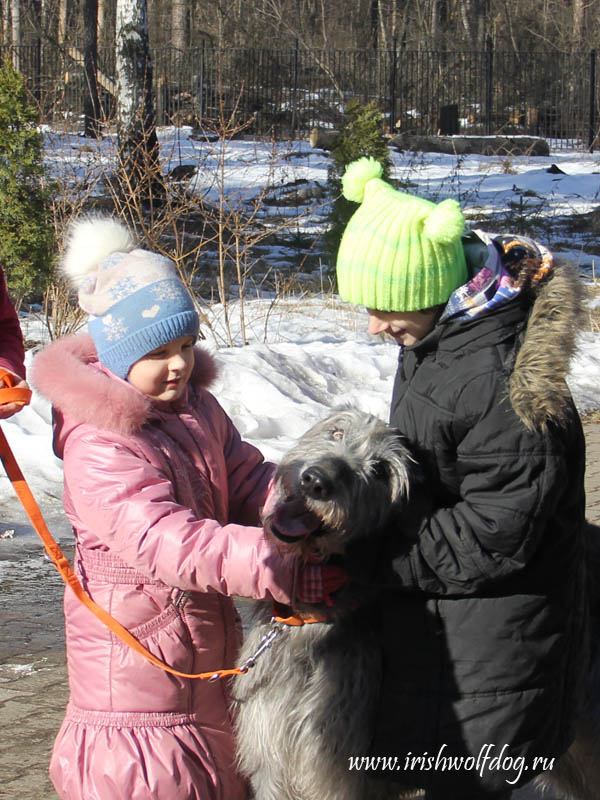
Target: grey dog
pixel 308 704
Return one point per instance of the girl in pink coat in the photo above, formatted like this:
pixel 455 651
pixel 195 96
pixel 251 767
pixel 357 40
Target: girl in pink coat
pixel 162 494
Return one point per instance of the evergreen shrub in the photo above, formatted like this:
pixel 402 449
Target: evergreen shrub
pixel 360 135
pixel 27 242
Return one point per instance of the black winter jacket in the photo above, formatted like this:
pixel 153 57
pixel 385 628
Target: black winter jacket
pixel 484 613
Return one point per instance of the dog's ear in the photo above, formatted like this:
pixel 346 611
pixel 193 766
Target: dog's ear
pixel 401 467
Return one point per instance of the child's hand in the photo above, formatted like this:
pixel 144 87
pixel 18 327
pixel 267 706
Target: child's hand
pixel 11 380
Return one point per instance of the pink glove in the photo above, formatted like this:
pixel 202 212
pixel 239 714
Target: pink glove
pixel 317 582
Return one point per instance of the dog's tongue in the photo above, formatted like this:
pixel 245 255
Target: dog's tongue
pixel 293 519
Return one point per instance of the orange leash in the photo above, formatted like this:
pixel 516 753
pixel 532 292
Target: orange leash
pixel 62 564
pixel 12 394
pixel 295 619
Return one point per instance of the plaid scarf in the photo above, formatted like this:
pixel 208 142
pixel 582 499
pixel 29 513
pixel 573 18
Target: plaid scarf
pixel 514 263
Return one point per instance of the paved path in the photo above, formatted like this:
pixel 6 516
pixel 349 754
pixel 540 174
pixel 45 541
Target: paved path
pixel 33 696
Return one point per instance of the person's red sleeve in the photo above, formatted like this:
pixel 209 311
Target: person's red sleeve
pixel 12 350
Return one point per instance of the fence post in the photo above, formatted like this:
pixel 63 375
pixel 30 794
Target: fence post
pixel 201 81
pixel 393 88
pixel 592 128
pixel 489 78
pixel 38 71
pixel 295 92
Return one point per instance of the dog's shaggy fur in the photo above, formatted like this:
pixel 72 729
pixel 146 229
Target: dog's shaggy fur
pixel 309 703
pixel 576 776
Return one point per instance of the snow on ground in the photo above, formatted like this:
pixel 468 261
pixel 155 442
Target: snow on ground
pixel 310 355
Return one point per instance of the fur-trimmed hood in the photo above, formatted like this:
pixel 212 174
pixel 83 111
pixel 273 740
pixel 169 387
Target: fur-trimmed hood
pixel 537 387
pixel 69 375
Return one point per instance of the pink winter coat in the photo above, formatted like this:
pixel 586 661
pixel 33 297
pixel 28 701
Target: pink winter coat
pixel 159 499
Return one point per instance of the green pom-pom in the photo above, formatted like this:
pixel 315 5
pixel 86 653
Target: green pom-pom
pixel 446 223
pixel 356 177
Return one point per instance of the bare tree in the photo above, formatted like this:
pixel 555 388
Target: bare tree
pixel 101 24
pixel 474 15
pixel 136 129
pixel 579 8
pixel 375 11
pixel 63 11
pixel 179 10
pixel 91 102
pixel 439 14
pixel 16 41
pixel 304 30
pixel 105 22
pixel 5 22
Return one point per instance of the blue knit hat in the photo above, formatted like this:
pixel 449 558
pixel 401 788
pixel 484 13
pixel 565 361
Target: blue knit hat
pixel 136 299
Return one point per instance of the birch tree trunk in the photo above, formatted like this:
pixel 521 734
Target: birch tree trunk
pixel 15 13
pixel 136 129
pixel 178 36
pixel 62 21
pixel 6 22
pixel 179 24
pixel 578 23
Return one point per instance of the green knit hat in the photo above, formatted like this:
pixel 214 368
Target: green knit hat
pixel 398 252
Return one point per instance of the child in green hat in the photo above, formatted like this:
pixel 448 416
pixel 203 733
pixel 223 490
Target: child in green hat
pixel 483 599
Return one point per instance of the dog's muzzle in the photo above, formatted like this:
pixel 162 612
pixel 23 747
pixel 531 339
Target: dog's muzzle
pixel 291 521
pixel 316 484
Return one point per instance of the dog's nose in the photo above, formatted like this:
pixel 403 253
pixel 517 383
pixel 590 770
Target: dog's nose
pixel 316 484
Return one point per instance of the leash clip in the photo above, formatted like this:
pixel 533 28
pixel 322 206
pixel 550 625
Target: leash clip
pixel 265 643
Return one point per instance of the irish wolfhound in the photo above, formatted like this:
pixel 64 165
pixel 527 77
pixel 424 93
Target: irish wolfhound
pixel 576 776
pixel 308 704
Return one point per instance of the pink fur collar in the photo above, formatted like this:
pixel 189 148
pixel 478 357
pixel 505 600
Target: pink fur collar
pixel 64 373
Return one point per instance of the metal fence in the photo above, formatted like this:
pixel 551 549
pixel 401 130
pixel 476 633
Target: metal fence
pixel 289 92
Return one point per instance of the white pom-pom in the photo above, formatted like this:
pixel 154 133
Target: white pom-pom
pixel 356 177
pixel 446 222
pixel 90 240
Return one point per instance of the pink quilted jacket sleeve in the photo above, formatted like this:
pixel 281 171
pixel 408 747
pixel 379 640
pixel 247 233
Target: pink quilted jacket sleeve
pixel 129 505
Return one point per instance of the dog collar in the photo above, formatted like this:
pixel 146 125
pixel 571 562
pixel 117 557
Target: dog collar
pixel 285 615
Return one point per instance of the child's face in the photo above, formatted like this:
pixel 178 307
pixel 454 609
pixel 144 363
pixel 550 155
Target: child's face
pixel 164 373
pixel 406 327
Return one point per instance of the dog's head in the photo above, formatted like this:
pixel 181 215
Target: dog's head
pixel 345 478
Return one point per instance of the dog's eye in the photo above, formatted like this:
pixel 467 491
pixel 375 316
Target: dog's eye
pixel 381 470
pixel 338 433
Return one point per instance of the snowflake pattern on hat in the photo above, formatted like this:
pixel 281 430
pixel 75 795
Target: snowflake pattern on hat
pixel 123 288
pixel 168 290
pixel 110 261
pixel 115 328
